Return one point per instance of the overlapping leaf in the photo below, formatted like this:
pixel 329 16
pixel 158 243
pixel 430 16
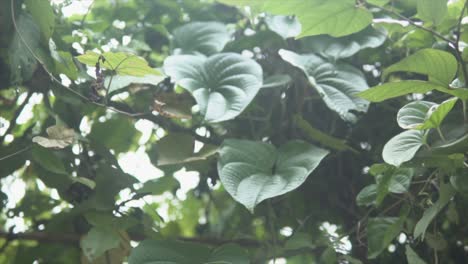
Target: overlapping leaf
pixel 403 147
pixel 336 84
pixel 223 85
pixel 252 172
pixel 347 46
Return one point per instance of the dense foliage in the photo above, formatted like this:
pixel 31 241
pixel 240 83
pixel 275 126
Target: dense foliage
pixel 321 131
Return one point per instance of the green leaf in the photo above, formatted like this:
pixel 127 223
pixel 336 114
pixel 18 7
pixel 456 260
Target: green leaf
pixel 22 61
pixel 402 147
pixel 196 38
pixel 401 180
pixel 380 233
pixel 345 47
pixel 118 134
pixel 395 89
pixel 158 186
pixel 228 253
pixel 367 195
pixel 98 241
pixel 43 14
pixel 336 18
pixel 440 66
pixel 122 81
pixel 437 114
pixel 433 11
pixel 252 172
pixel 412 257
pixel 120 62
pixel 299 240
pixel 59 137
pixel 336 84
pixel 223 85
pixel 446 192
pixel 413 114
pixel 174 148
pixel 48 160
pixel 176 252
pixel 285 26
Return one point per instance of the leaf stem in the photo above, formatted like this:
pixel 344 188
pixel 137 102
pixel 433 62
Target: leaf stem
pixel 441 134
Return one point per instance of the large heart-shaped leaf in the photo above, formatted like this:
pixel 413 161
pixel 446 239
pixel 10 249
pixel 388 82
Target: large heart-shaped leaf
pixel 338 84
pixel 403 147
pixel 175 252
pixel 200 38
pixel 413 114
pixel 223 85
pixel 347 46
pixel 253 171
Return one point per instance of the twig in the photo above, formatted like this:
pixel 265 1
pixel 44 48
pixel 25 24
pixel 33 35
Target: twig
pixel 87 13
pixel 16 153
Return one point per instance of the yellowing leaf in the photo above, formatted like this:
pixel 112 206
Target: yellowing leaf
pixel 122 63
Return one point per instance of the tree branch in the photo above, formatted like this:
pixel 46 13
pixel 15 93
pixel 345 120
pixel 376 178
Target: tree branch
pixel 73 239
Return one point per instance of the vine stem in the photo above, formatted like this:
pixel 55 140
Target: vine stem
pixel 16 153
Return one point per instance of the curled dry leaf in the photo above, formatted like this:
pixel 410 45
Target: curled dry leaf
pixel 59 137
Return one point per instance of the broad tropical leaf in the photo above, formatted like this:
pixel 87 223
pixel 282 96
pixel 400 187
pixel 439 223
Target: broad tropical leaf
pixel 200 38
pixel 336 84
pixel 223 85
pixel 252 172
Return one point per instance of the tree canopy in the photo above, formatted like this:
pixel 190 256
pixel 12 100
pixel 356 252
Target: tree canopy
pixel 233 131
